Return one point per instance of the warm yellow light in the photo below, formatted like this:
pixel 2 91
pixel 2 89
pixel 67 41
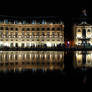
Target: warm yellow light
pixel 49 44
pixel 6 44
pixel 79 57
pixel 79 35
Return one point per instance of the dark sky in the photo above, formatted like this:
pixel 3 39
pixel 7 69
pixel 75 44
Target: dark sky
pixel 65 9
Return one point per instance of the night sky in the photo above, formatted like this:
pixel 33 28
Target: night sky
pixel 65 9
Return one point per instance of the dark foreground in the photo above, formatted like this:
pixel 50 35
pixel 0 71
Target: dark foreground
pixel 71 75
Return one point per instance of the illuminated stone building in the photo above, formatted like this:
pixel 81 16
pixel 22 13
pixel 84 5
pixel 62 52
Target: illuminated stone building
pixel 82 32
pixel 34 33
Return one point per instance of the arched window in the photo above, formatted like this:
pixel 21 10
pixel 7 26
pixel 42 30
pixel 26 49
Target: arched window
pixel 53 28
pixel 11 28
pixel 16 45
pixel 11 45
pixel 16 29
pixel 43 29
pixel 79 30
pixel 48 29
pixel 23 29
pixel 22 45
pixel 28 29
pixel 38 29
pixel 1 28
pixel 33 29
pixel 88 30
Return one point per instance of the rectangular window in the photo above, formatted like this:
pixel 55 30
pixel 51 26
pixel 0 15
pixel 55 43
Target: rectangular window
pixel 38 29
pixel 1 28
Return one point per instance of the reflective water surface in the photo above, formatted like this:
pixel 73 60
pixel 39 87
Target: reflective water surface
pixel 33 60
pixel 69 67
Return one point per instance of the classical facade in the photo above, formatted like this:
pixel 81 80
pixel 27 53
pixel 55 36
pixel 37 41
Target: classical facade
pixel 22 34
pixel 82 34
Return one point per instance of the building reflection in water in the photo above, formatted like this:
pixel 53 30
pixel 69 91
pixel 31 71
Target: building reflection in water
pixel 31 60
pixel 83 59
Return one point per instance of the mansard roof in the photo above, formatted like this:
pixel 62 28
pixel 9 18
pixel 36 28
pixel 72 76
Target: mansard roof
pixel 31 19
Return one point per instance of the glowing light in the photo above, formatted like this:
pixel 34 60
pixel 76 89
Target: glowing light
pixel 79 36
pixel 1 43
pixel 68 42
pixel 6 44
pixel 48 44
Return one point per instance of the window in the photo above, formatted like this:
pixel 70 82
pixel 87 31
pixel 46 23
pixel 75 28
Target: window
pixel 53 29
pixel 16 44
pixel 32 33
pixel 1 28
pixel 43 29
pixel 53 33
pixel 58 34
pixel 11 45
pixel 38 29
pixel 28 29
pixel 22 45
pixel 11 28
pixel 16 29
pixel 23 29
pixel 16 35
pixel 43 34
pixel 48 29
pixel 79 30
pixel 6 28
pixel 33 29
pixel 88 30
pixel 58 28
pixel 48 34
pixel 38 34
